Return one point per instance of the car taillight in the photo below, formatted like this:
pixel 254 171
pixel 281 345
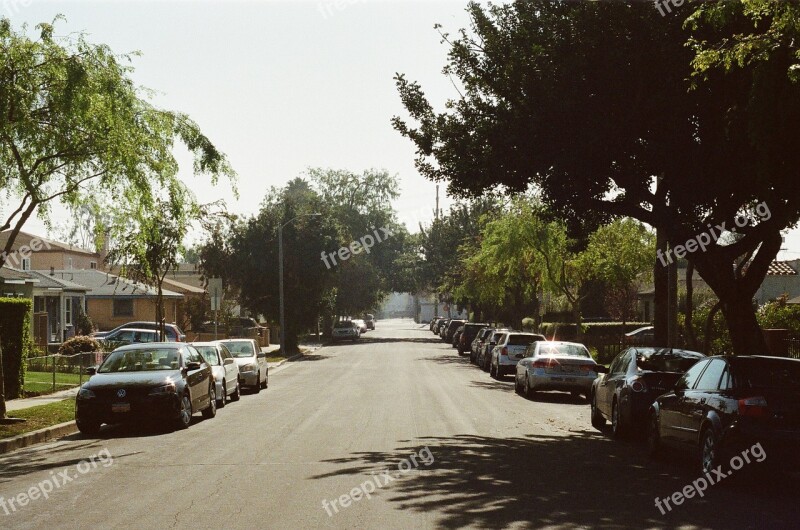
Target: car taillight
pixel 504 352
pixel 637 385
pixel 587 368
pixel 753 407
pixel 542 363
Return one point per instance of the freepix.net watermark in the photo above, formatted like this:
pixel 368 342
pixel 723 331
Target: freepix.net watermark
pixel 327 7
pixel 12 7
pixel 367 488
pixel 356 247
pixel 57 480
pixel 703 240
pixel 665 6
pixel 700 485
pixel 17 257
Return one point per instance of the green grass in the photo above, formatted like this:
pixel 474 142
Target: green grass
pixel 42 382
pixel 39 417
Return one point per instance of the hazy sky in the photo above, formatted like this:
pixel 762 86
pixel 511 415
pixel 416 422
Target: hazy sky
pixel 282 86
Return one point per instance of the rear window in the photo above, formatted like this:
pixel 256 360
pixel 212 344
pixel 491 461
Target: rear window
pixel 523 340
pixel 767 373
pixel 666 360
pixel 573 350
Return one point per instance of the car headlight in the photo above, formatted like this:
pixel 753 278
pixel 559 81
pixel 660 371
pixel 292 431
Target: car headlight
pixel 248 368
pixel 85 393
pixel 169 388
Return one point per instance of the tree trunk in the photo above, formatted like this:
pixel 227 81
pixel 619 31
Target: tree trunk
pixel 688 323
pixel 2 385
pixel 576 316
pixel 745 332
pixel 709 326
pixel 660 297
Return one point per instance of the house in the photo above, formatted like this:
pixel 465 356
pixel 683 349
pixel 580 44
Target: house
pixel 32 252
pixel 57 303
pixel 15 283
pixel 112 300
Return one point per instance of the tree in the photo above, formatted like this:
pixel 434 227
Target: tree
pixel 75 125
pixel 606 109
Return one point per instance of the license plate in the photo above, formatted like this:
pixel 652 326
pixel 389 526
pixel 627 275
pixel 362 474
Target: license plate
pixel 120 407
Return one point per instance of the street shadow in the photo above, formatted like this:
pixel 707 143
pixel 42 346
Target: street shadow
pixel 578 480
pixel 307 358
pixel 26 462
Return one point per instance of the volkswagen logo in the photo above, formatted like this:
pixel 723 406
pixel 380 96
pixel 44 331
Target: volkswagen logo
pixel 121 393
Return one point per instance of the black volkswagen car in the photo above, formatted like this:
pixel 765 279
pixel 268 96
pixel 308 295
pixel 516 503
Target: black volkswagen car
pixel 166 381
pixel 635 378
pixel 725 405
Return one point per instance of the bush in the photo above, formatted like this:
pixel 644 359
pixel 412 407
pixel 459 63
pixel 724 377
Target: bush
pixel 591 330
pixel 16 342
pixel 84 324
pixel 80 344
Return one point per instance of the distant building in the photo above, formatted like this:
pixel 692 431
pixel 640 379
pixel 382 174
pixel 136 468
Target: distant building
pixel 32 252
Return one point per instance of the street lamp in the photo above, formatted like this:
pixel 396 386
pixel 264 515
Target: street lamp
pixel 280 274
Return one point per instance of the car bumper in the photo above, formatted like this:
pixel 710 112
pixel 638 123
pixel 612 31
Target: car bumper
pixel 161 407
pixel 564 382
pixel 778 446
pixel 248 379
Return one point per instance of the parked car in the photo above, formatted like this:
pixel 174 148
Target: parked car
pixel 723 405
pixel 510 348
pixel 235 326
pixel 164 381
pixel 172 331
pixel 451 328
pixel 457 336
pixel 224 368
pixel 125 336
pixel 477 343
pixel 346 329
pixel 469 333
pixel 555 365
pixel 635 378
pixel 485 354
pixel 441 327
pixel 640 337
pixel 434 323
pixel 253 368
pixel 362 326
pixel 370 320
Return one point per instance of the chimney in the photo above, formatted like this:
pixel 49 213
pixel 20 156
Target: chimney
pixel 52 271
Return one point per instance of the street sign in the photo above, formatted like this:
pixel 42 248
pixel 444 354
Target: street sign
pixel 215 291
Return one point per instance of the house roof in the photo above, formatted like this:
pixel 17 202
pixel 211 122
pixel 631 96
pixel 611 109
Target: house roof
pixel 105 285
pixel 795 300
pixel 781 268
pixel 15 276
pixel 53 282
pixel 183 287
pixel 24 238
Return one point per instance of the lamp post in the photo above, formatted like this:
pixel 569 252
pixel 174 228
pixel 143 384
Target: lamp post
pixel 280 275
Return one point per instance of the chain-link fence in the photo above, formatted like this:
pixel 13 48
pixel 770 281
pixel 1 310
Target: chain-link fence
pixel 47 374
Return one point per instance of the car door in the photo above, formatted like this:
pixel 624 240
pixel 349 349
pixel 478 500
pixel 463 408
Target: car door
pixel 700 398
pixel 608 382
pixel 261 359
pixel 674 409
pixel 231 372
pixel 197 380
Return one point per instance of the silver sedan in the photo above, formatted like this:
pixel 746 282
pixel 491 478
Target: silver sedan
pixel 224 368
pixel 253 367
pixel 564 366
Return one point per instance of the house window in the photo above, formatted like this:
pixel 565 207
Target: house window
pixel 69 263
pixel 26 264
pixel 92 264
pixel 68 311
pixel 123 307
pixel 38 305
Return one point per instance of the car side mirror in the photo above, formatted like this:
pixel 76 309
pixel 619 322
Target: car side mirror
pixel 261 355
pixel 600 369
pixel 228 361
pixel 91 370
pixel 194 365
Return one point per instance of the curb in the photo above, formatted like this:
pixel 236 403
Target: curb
pixel 35 437
pixel 290 359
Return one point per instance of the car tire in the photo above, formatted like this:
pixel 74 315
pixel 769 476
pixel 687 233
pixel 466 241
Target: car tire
pixel 598 421
pixel 517 387
pixel 617 426
pixel 266 380
pixel 88 428
pixel 527 391
pixel 653 438
pixel 185 412
pixel 236 393
pixel 492 371
pixel 221 402
pixel 211 410
pixel 257 387
pixel 710 454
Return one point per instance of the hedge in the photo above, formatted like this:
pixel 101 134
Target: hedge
pixel 566 330
pixel 15 339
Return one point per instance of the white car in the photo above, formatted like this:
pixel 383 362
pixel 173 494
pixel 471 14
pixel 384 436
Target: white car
pixel 510 348
pixel 346 329
pixel 552 365
pixel 362 325
pixel 224 368
pixel 253 368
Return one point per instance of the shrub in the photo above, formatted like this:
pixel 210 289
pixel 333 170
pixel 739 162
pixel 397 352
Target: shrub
pixel 15 341
pixel 84 324
pixel 80 344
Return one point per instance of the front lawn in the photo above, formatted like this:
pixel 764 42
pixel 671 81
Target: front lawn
pixel 38 383
pixel 39 417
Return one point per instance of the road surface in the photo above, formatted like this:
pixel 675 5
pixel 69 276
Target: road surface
pixel 395 431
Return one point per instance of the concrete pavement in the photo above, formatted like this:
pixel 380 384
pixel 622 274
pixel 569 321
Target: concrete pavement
pixel 351 415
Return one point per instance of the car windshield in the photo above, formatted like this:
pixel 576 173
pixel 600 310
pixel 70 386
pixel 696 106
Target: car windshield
pixel 240 349
pixel 522 340
pixel 667 361
pixel 209 353
pixel 140 360
pixel 344 324
pixel 573 350
pixel 768 373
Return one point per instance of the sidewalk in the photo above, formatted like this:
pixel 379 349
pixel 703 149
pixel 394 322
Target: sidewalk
pixel 26 403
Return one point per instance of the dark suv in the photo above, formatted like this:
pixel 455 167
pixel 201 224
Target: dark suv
pixel 450 330
pixel 468 335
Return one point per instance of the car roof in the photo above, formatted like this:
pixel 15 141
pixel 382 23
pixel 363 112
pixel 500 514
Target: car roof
pixel 654 350
pixel 138 330
pixel 235 340
pixel 205 343
pixel 152 345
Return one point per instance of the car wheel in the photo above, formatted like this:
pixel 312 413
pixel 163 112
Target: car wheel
pixel 257 387
pixel 185 413
pixel 266 378
pixel 653 437
pixel 526 389
pixel 221 399
pixel 617 428
pixel 598 421
pixel 492 371
pixel 211 410
pixel 517 387
pixel 709 451
pixel 88 428
pixel 236 393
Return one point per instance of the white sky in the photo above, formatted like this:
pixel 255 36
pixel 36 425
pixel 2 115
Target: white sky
pixel 282 86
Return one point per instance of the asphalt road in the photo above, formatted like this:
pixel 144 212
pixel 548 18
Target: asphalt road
pixel 346 421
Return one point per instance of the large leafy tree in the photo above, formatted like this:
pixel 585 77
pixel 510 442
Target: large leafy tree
pixel 74 124
pixel 605 108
